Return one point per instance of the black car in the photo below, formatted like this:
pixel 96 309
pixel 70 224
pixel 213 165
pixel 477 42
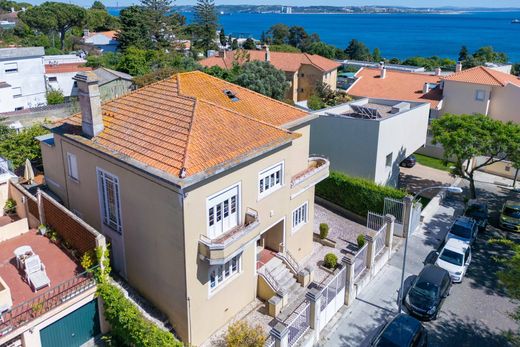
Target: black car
pixel 402 331
pixel 409 162
pixel 479 212
pixel 428 292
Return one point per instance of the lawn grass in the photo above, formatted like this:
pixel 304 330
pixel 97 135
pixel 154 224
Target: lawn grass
pixel 433 162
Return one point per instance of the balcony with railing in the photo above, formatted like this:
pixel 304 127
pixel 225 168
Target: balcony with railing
pixel 218 249
pixel 317 170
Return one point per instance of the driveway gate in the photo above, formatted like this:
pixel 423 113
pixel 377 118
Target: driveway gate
pixel 333 297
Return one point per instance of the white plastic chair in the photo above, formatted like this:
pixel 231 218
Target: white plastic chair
pixel 20 252
pixel 35 273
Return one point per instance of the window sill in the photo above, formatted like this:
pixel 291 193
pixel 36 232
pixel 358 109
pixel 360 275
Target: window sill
pixel 221 287
pixel 268 193
pixel 298 227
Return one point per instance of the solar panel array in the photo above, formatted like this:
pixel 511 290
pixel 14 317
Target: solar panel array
pixel 366 112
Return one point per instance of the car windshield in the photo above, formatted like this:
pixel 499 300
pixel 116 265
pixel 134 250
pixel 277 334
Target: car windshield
pixel 459 230
pixel 476 211
pixel 425 288
pixel 452 257
pixel 511 212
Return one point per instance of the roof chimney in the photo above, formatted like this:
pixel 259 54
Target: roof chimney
pixel 426 88
pixel 438 71
pixel 267 54
pixel 383 73
pixel 86 33
pixel 458 67
pixel 90 103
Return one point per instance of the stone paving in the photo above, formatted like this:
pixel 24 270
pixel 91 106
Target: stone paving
pixel 420 176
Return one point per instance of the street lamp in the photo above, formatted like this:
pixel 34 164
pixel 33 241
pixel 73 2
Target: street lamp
pixel 408 203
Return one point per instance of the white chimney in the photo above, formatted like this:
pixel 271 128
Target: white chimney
pixel 426 88
pixel 90 103
pixel 458 67
pixel 267 54
pixel 383 73
pixel 438 71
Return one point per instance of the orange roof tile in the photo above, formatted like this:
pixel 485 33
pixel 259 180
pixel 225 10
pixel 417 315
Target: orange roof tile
pixel 66 67
pixel 110 34
pixel 397 85
pixel 289 62
pixel 186 121
pixel 484 75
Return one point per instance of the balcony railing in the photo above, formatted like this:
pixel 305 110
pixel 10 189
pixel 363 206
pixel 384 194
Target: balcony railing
pixel 228 238
pixel 315 165
pixel 31 309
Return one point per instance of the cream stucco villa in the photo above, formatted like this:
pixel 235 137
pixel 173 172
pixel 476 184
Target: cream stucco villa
pixel 190 179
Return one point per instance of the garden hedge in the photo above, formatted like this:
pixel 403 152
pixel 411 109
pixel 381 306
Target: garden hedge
pixel 357 195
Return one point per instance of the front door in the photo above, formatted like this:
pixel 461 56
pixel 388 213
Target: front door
pixel 223 212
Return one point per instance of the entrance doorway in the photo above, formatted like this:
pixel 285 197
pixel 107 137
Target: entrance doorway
pixel 269 243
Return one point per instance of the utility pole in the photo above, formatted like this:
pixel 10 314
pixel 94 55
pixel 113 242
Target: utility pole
pixel 407 221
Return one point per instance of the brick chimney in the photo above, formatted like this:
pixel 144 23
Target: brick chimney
pixel 90 103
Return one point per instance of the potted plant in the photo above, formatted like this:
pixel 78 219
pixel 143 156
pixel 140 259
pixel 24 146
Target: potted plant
pixel 361 240
pixel 330 262
pixel 42 229
pixel 324 230
pixel 10 207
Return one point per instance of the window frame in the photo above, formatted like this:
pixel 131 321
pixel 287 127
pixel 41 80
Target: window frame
pixel 220 272
pixel 70 170
pixel 305 220
pixel 16 96
pixel 391 157
pixel 477 92
pixel 117 226
pixel 237 207
pixel 266 173
pixel 11 68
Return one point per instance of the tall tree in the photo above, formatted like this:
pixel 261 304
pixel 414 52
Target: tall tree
pixel 135 28
pixel 357 50
pixel 376 55
pixel 264 78
pixel 249 44
pixel 54 17
pixel 297 36
pixel 278 34
pixel 159 24
pixel 463 54
pixel 222 37
pixel 98 5
pixel 205 25
pixel 465 137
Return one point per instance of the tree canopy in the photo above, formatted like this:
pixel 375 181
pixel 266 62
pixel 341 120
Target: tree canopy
pixel 357 50
pixel 205 24
pixel 135 28
pixel 465 137
pixel 19 146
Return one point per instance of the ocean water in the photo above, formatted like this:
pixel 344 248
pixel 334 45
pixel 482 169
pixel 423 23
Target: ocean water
pixel 396 35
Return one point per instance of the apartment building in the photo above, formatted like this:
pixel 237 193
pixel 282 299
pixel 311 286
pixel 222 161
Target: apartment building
pixel 302 70
pixel 189 179
pixel 22 71
pixel 369 138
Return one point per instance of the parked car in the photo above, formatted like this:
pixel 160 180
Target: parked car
pixel 428 292
pixel 464 228
pixel 409 161
pixel 478 210
pixel 455 257
pixel 510 216
pixel 403 331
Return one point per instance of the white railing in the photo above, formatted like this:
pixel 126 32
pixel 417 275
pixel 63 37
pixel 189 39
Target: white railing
pixel 298 323
pixel 360 261
pixel 289 260
pixel 415 221
pixel 380 239
pixel 333 297
pixel 268 276
pixel 395 208
pixel 375 221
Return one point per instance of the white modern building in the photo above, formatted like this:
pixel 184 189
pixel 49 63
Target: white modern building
pixel 370 137
pixel 59 71
pixel 23 70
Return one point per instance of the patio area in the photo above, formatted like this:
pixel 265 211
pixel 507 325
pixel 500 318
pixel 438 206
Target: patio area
pixel 59 266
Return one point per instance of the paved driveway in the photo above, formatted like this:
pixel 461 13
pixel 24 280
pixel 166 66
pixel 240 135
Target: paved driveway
pixel 419 177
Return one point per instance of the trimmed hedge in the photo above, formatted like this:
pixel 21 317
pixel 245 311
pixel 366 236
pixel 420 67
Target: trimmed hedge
pixel 357 195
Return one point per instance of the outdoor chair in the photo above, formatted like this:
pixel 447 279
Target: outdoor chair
pixel 35 273
pixel 22 253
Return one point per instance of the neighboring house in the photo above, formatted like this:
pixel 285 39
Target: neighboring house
pixel 50 300
pixel 22 69
pixel 6 97
pixel 302 70
pixel 113 84
pixel 376 65
pixel 483 90
pixel 106 41
pixel 370 137
pixel 190 179
pixel 59 76
pixel 398 85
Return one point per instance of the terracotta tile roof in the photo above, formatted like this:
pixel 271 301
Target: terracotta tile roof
pixel 186 121
pixel 66 67
pixel 484 75
pixel 110 34
pixel 397 85
pixel 289 62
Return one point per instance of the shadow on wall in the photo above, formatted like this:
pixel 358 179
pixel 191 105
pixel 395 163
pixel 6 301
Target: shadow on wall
pixel 394 174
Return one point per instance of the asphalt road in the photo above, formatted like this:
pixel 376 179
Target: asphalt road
pixel 477 311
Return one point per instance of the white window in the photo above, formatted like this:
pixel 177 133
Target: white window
pixel 480 95
pixel 269 180
pixel 72 164
pixel 299 216
pixel 11 67
pixel 53 79
pixel 223 211
pixel 389 160
pixel 110 200
pixel 17 92
pixel 220 273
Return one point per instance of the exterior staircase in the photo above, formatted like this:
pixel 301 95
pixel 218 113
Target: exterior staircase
pixel 284 278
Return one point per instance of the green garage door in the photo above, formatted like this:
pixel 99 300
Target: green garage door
pixel 74 329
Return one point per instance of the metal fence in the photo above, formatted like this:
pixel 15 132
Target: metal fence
pixel 299 322
pixel 380 239
pixel 415 221
pixel 43 303
pixel 333 297
pixel 395 208
pixel 375 221
pixel 269 342
pixel 360 261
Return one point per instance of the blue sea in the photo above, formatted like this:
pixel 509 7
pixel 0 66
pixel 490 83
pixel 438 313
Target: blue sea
pixel 396 35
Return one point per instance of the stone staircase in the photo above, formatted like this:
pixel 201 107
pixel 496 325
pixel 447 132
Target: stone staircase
pixel 284 278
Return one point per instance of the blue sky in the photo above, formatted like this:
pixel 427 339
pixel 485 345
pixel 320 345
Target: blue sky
pixel 412 3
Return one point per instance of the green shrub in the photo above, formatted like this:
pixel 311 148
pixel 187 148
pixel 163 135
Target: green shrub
pixel 241 334
pixel 357 195
pixel 315 103
pixel 55 97
pixel 324 230
pixel 330 261
pixel 10 206
pixel 361 240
